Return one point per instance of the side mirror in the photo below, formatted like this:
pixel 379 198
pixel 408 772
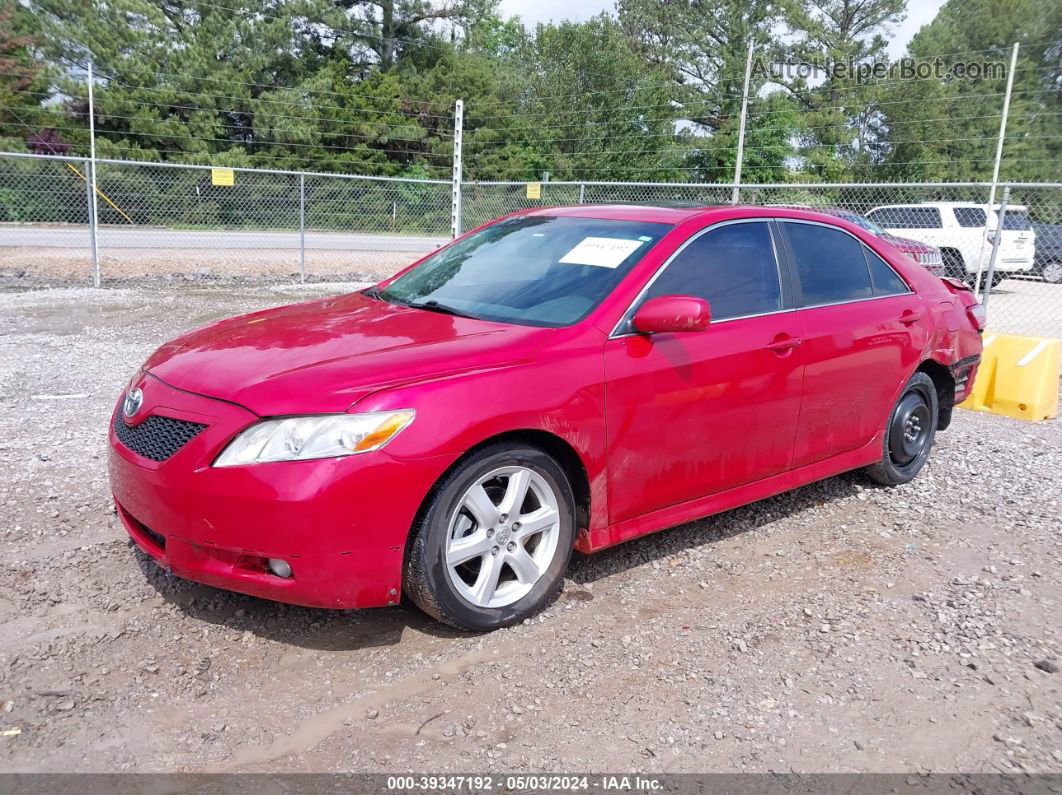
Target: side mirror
pixel 672 313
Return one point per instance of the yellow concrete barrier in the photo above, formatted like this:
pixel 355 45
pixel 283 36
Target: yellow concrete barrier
pixel 1018 377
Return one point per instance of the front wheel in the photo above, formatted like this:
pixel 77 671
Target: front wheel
pixel 493 545
pixel 909 433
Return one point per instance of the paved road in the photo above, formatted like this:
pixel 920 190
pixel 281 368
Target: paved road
pixel 144 238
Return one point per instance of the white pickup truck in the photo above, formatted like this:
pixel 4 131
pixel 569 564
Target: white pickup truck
pixel 964 231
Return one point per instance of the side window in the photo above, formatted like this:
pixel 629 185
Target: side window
pixel 970 216
pixel 829 263
pixel 733 267
pixel 906 217
pixel 886 280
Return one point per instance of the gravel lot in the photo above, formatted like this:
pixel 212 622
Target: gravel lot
pixel 839 627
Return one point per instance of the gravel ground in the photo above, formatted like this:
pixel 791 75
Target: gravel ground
pixel 840 627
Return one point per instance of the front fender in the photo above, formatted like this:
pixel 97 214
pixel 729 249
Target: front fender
pixel 561 393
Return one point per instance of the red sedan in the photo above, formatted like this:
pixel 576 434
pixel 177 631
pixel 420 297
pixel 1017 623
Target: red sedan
pixel 559 379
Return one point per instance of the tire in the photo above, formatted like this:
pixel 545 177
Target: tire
pixel 1051 272
pixel 468 514
pixel 914 415
pixel 998 278
pixel 954 266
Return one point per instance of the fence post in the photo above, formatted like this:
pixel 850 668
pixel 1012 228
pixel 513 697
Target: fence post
pixel 996 239
pixel 94 211
pixel 302 227
pixel 995 165
pixel 741 129
pixel 90 210
pixel 582 193
pixel 455 197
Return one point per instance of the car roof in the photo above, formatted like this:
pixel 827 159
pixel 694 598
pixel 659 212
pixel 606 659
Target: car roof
pixel 676 214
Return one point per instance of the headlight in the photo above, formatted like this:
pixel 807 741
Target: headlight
pixel 319 436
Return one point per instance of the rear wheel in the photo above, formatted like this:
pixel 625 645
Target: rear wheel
pixel 494 543
pixel 1052 272
pixel 909 433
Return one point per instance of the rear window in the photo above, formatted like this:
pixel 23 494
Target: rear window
pixel 885 279
pixel 1016 220
pixel 906 217
pixel 970 216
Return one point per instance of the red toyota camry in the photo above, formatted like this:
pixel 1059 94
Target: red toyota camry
pixel 559 379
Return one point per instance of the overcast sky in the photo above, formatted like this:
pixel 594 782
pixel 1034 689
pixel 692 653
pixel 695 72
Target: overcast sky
pixel 532 12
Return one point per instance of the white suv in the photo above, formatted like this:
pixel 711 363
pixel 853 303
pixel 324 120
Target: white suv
pixel 963 231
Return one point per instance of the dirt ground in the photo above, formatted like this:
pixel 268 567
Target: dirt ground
pixel 841 627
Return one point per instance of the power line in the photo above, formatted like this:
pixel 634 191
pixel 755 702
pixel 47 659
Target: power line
pixel 253 143
pixel 443 134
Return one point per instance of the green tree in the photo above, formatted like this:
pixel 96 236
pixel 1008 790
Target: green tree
pixel 591 108
pixel 833 39
pixel 384 30
pixel 703 47
pixel 947 129
pixel 23 82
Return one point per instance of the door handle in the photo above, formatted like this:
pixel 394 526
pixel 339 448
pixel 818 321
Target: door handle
pixel 909 317
pixel 783 345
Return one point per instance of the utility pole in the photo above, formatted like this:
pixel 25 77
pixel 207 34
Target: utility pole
pixel 455 198
pixel 93 207
pixel 741 129
pixel 995 165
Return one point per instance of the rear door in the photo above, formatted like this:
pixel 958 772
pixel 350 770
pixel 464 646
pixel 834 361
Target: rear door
pixel 695 413
pixel 864 331
pixel 1018 241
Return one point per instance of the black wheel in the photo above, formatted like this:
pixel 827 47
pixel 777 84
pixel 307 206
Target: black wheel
pixel 997 279
pixel 909 434
pixel 954 265
pixel 1052 272
pixel 493 545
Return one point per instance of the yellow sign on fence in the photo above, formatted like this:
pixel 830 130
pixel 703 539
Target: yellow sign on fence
pixel 534 190
pixel 224 177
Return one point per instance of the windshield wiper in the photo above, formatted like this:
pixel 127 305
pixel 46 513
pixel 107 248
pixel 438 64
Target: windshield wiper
pixel 434 306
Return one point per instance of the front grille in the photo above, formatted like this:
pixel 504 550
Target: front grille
pixel 156 437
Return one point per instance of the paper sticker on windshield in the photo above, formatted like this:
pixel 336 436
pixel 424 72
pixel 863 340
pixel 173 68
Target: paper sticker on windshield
pixel 605 252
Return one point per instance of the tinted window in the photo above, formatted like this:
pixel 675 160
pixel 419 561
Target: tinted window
pixel 830 264
pixel 906 217
pixel 970 216
pixel 733 267
pixel 1016 219
pixel 885 279
pixel 866 223
pixel 533 270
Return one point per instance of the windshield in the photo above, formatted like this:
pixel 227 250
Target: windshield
pixel 531 270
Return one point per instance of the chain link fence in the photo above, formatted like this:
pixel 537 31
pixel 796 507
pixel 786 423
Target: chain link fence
pixel 165 220
pixel 194 222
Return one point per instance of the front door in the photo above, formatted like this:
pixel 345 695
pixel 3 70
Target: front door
pixel 691 414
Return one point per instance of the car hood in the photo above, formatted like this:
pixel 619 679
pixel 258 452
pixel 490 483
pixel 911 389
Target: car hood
pixel 325 355
pixel 908 246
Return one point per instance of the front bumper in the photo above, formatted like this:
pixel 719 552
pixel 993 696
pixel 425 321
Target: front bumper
pixel 340 523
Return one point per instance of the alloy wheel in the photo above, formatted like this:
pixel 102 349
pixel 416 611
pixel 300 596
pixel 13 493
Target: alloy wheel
pixel 502 537
pixel 1052 272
